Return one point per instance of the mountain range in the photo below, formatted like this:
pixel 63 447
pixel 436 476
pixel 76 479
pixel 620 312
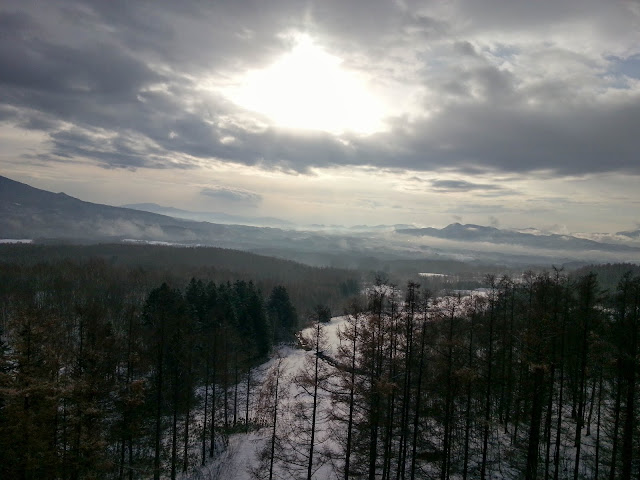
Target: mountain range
pixel 213 217
pixel 30 213
pixel 479 233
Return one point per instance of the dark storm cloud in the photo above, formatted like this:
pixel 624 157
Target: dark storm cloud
pixel 8 113
pixel 196 36
pixel 31 63
pixel 124 79
pixel 577 140
pixel 116 151
pixel 39 122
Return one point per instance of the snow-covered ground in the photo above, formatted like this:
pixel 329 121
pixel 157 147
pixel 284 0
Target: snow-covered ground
pixel 240 456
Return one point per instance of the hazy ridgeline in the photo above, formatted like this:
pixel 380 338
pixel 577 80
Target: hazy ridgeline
pixel 121 364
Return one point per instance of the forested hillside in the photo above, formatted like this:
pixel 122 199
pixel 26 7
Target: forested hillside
pixel 97 356
pixel 528 379
pixel 177 265
pixel 114 371
pixel 533 379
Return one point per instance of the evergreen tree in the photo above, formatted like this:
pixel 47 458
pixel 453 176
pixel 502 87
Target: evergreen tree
pixel 282 314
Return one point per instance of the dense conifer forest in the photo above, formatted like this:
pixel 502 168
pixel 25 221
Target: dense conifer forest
pixel 102 356
pixel 110 369
pixel 531 378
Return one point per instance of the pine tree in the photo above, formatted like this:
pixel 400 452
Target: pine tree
pixel 163 313
pixel 282 314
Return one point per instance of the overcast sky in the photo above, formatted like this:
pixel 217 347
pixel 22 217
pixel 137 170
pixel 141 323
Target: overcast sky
pixel 509 113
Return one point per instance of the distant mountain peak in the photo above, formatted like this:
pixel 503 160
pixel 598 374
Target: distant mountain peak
pixel 486 234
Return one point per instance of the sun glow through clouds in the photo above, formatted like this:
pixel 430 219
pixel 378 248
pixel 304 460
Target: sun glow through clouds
pixel 308 89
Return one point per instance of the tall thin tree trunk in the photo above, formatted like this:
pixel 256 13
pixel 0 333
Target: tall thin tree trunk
pixel 122 450
pixel 416 416
pixel 534 430
pixel 347 461
pixel 126 414
pixel 503 361
pixel 597 446
pixel 375 372
pixel 487 407
pixel 235 390
pixel 467 411
pixel 225 383
pixel 64 439
pixel 402 457
pixel 275 421
pixel 174 434
pixel 616 425
pixel 556 455
pixel 158 430
pixel 375 419
pixel 631 365
pixel 315 404
pixel 204 418
pixel 582 385
pixel 212 442
pixel 187 418
pixel 246 411
pixel 549 414
pixel 448 414
pixel 130 457
pixel 507 416
pixel 386 466
pixel 185 457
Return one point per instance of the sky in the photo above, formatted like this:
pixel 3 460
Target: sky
pixel 513 114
